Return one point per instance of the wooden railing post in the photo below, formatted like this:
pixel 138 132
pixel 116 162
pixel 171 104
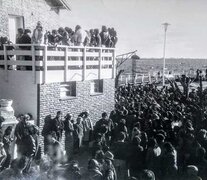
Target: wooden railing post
pixel 45 65
pixel 100 63
pixel 84 64
pixel 66 65
pixel 142 78
pixel 114 65
pixel 5 64
pixel 33 64
pixel 150 79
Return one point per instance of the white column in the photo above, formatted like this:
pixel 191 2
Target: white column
pixel 66 65
pixel 33 64
pixel 84 64
pixel 45 65
pixel 100 63
pixel 114 65
pixel 5 64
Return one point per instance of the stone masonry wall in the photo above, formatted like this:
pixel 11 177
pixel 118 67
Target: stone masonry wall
pixel 31 10
pixel 50 101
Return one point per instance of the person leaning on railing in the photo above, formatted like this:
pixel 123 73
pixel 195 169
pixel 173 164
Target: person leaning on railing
pixel 37 36
pixel 26 39
pixel 5 40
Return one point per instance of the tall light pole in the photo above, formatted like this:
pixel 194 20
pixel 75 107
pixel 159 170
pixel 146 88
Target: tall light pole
pixel 165 35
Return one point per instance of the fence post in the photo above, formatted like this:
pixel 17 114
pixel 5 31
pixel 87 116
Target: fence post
pixel 143 78
pixel 100 63
pixel 66 65
pixel 150 79
pixel 33 64
pixel 114 65
pixel 45 65
pixel 84 64
pixel 5 64
pixel 135 78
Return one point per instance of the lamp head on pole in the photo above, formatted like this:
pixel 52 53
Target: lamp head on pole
pixel 165 26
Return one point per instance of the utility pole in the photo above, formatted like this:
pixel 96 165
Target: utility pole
pixel 165 36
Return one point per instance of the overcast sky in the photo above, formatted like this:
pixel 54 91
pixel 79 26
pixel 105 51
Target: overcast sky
pixel 138 24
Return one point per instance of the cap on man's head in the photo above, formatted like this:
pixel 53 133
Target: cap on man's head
pixel 68 115
pixel 109 155
pixel 54 31
pixel 61 29
pixel 77 27
pixel 59 112
pixel 27 31
pixel 104 28
pixel 93 164
pixel 104 114
pixel 192 170
pixel 147 174
pixel 39 23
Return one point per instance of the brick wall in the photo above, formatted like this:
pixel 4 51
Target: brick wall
pixel 50 101
pixel 31 10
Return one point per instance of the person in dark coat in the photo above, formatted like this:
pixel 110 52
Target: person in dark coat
pixel 58 125
pixel 69 131
pixel 93 172
pixel 73 171
pixel 26 138
pixel 135 157
pixel 108 123
pixel 109 169
pixel 7 140
pixel 47 129
pixel 169 162
pixel 120 149
pixel 78 134
pixel 26 39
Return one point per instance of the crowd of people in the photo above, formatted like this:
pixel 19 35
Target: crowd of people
pixel 154 133
pixel 66 36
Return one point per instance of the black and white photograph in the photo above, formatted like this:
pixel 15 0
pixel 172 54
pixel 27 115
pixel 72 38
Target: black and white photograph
pixel 103 90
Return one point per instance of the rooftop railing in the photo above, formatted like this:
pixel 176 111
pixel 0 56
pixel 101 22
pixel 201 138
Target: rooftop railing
pixel 58 63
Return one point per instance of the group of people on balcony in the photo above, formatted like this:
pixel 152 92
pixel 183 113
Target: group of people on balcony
pixel 66 36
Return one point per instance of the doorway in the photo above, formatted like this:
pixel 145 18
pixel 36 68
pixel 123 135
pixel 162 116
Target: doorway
pixel 15 22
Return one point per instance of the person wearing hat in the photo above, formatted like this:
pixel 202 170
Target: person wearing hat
pixel 108 123
pixel 22 132
pixel 53 38
pixel 58 125
pixel 26 39
pixel 37 36
pixel 119 149
pixel 63 36
pixel 73 171
pixel 78 134
pixel 93 172
pixel 69 130
pixel 135 158
pixel 191 173
pixel 97 38
pixel 98 144
pixel 105 37
pixel 88 128
pixel 147 174
pixel 7 140
pixel 109 169
pixel 201 162
pixel 79 36
pixel 3 154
